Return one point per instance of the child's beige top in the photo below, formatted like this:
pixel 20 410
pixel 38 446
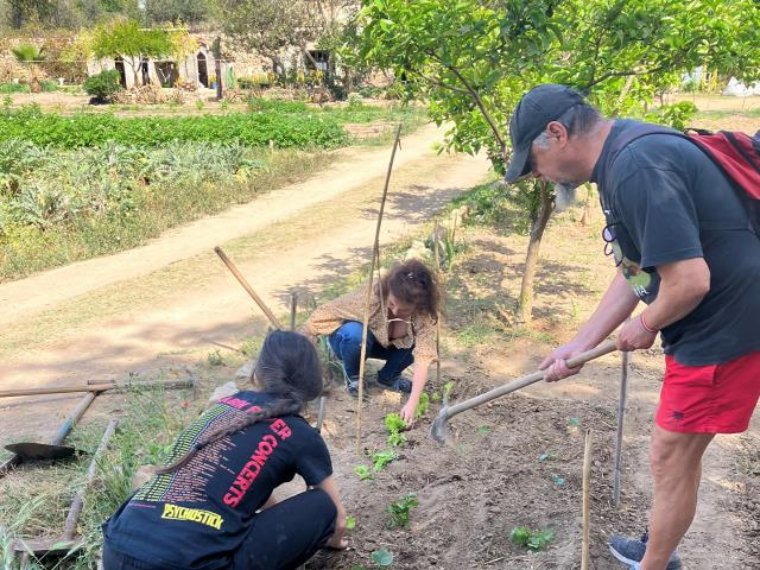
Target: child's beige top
pixel 350 307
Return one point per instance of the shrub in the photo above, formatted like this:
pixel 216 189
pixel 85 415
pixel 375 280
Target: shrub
pixel 103 85
pixel 14 88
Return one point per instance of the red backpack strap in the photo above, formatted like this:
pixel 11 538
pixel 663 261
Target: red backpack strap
pixel 735 153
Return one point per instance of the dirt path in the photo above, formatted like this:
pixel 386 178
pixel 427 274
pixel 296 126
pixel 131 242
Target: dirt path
pixel 167 303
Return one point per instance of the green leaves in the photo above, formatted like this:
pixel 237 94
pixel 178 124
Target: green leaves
pixel 382 458
pixel 399 510
pixel 395 425
pixel 382 557
pixel 364 473
pixel 253 129
pixel 126 38
pixel 532 540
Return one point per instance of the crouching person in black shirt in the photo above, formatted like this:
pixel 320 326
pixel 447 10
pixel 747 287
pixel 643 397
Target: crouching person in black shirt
pixel 212 507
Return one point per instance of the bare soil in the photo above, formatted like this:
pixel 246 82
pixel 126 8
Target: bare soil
pixel 515 462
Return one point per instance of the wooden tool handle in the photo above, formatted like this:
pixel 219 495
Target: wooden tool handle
pixel 247 287
pixel 71 421
pixel 70 526
pixel 601 350
pixel 185 383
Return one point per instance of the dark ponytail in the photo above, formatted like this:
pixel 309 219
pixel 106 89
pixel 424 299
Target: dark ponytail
pixel 288 367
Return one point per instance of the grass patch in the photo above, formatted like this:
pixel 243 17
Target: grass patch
pixel 36 500
pixel 749 113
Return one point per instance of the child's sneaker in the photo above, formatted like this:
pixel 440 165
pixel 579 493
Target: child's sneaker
pixel 631 551
pixel 397 384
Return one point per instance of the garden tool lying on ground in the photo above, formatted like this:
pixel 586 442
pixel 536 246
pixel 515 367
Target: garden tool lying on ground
pixel 66 543
pixel 36 451
pixel 439 428
pixel 31 451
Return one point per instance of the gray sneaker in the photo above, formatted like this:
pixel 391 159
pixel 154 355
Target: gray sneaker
pixel 631 551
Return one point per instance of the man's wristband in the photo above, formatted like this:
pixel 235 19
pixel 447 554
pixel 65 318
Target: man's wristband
pixel 645 326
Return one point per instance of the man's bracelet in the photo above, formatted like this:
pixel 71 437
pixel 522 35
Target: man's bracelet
pixel 645 326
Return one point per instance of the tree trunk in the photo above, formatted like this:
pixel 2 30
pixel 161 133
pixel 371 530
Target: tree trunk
pixel 545 209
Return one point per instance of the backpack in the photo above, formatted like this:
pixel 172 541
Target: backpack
pixel 736 154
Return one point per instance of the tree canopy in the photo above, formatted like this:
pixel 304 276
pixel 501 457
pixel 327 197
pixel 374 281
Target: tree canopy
pixel 473 59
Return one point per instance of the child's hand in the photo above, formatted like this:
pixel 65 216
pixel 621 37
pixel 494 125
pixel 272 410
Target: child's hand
pixel 338 541
pixel 407 412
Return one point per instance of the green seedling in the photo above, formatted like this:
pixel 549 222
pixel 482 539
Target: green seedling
pixel 484 430
pixel 557 480
pixel 422 406
pixel 215 358
pixel 350 523
pixel 399 510
pixel 395 425
pixel 575 422
pixel 546 456
pixel 364 473
pixel 397 439
pixel 436 396
pixel 382 557
pixel 447 389
pixel 382 458
pixel 532 540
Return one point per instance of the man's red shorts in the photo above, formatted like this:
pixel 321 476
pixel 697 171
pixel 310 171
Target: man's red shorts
pixel 719 398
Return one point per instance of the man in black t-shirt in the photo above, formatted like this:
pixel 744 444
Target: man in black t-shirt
pixel 681 237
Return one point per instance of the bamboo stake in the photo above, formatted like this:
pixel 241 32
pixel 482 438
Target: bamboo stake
pixel 617 472
pixel 247 287
pixel 586 501
pixel 375 257
pixel 438 320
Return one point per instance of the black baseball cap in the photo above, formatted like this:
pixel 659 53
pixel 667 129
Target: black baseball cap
pixel 537 108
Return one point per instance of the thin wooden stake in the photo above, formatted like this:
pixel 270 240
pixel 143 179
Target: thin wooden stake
pixel 438 320
pixel 293 309
pixel 375 256
pixel 617 471
pixel 586 501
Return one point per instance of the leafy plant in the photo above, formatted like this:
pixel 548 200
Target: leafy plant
pixel 532 540
pixel 364 472
pixel 382 557
pixel 350 522
pixel 546 456
pixel 103 85
pixel 382 458
pixel 14 88
pixel 215 358
pixel 399 510
pixel 447 388
pixel 27 53
pixel 395 425
pixel 422 406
